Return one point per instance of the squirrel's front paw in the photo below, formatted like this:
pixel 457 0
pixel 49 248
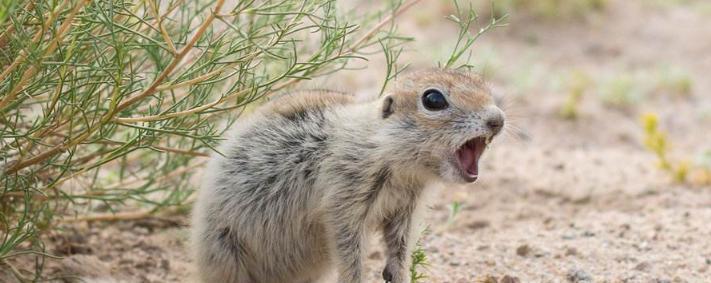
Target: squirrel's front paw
pixel 387 275
pixel 393 274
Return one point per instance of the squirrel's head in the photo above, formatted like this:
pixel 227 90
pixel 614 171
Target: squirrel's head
pixel 449 116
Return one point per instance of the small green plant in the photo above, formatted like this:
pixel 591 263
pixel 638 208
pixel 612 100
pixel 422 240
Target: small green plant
pixel 419 261
pixel 701 175
pixel 696 173
pixel 466 20
pixel 657 142
pixel 675 81
pixel 620 92
pixel 576 88
pixel 454 209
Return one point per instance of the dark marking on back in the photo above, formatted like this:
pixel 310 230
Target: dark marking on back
pixel 381 178
pixel 224 233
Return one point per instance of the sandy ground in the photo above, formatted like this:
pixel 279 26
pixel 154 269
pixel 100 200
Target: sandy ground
pixel 559 200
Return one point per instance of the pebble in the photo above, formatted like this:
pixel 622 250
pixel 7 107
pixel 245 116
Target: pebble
pixel 568 237
pixel 478 224
pixel 642 266
pixel 571 251
pixel 579 276
pixel 523 250
pixel 486 279
pixel 509 279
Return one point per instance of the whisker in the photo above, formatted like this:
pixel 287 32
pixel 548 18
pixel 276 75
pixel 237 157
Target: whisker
pixel 518 134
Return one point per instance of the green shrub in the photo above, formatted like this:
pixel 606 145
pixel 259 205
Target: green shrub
pixel 675 81
pixel 657 142
pixel 577 84
pixel 620 91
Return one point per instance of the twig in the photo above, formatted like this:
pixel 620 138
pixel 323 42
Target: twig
pixel 180 113
pixel 382 23
pixel 196 80
pixel 159 22
pixel 18 275
pixel 181 151
pixel 119 216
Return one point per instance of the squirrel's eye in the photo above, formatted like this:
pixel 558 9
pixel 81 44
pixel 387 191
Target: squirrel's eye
pixel 433 99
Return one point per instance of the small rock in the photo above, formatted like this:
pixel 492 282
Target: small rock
pixel 72 242
pixel 141 230
pixel 662 280
pixel 582 200
pixel 642 266
pixel 486 279
pixel 88 266
pixel 578 276
pixel 148 264
pixel 478 224
pixel 509 279
pixel 568 237
pixel 523 250
pixel 454 263
pixel 588 234
pixel 571 251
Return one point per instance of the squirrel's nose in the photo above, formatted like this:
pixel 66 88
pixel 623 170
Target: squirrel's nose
pixel 495 123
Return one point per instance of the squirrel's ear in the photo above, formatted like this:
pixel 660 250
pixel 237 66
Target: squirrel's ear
pixel 387 109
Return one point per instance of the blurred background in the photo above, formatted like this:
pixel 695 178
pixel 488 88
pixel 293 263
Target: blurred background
pixel 602 175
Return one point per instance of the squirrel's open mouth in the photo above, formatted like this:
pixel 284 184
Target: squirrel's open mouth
pixel 468 156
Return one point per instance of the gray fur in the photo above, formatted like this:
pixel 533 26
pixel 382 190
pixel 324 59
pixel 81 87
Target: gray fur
pixel 297 193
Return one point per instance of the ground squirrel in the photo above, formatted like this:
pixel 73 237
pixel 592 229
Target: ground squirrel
pixel 303 180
